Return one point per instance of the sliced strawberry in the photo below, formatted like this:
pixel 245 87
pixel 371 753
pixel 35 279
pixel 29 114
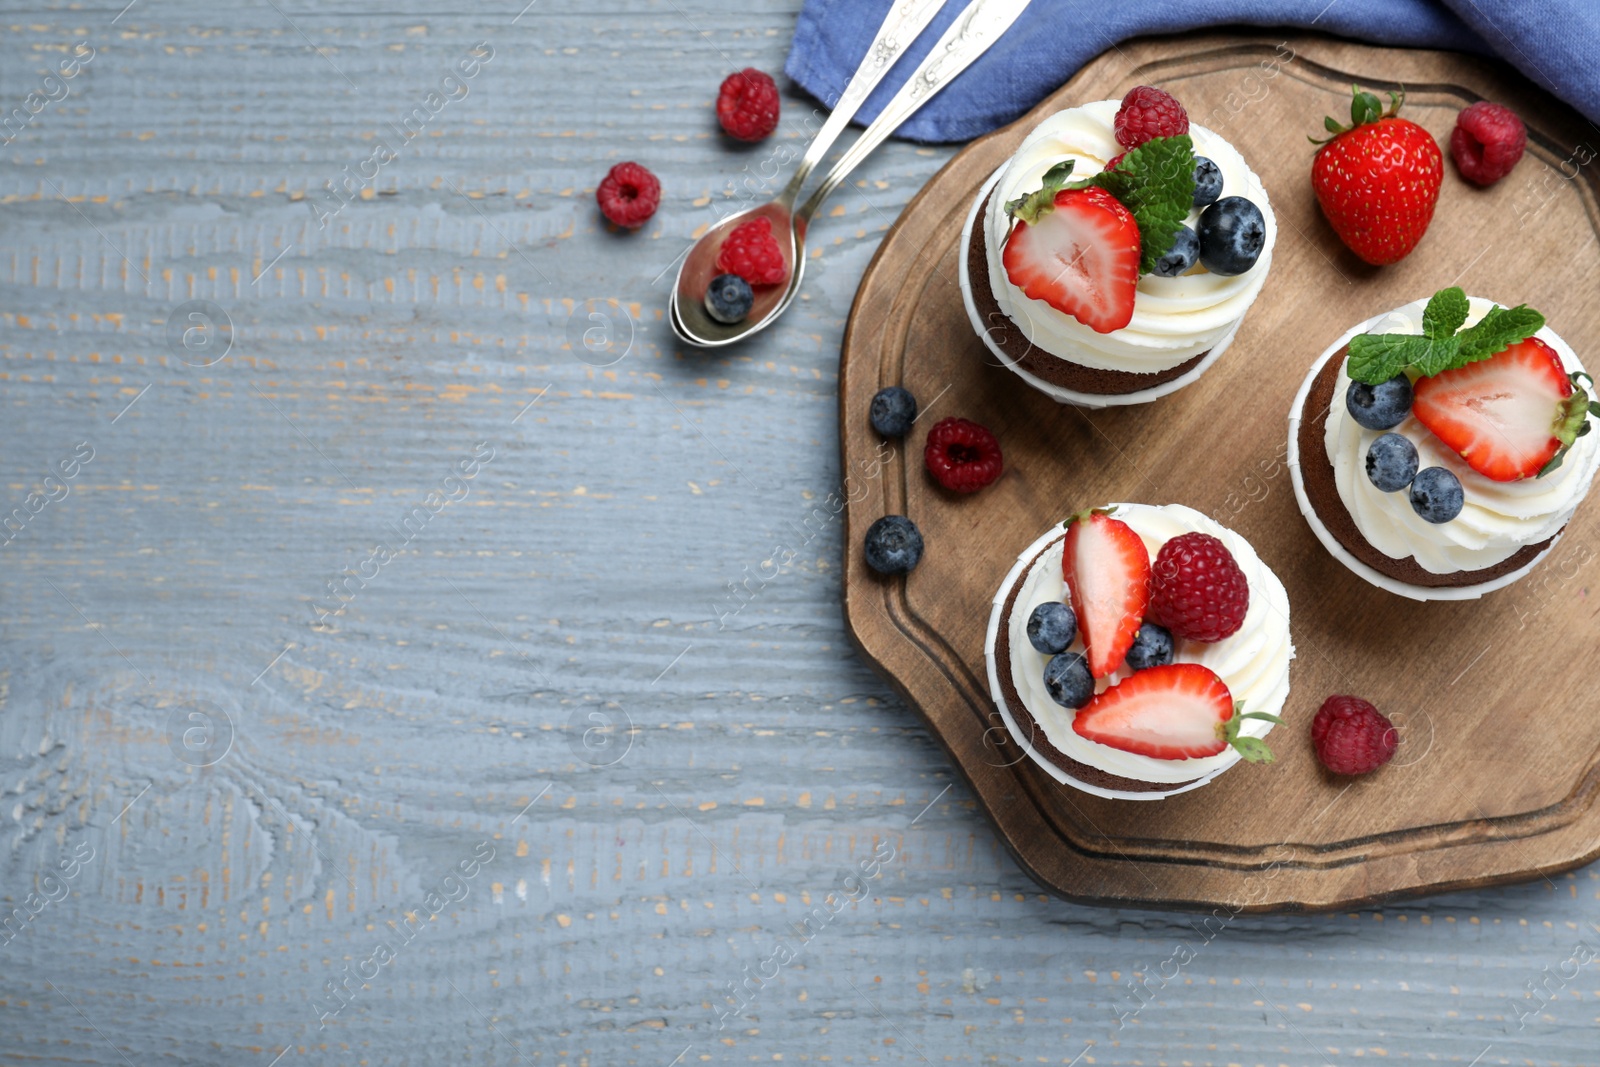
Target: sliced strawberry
pixel 1107 570
pixel 1507 415
pixel 1177 711
pixel 1081 257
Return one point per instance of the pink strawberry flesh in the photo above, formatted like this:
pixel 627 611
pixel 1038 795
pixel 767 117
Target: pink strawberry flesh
pixel 1107 570
pixel 1504 415
pixel 1176 711
pixel 1081 258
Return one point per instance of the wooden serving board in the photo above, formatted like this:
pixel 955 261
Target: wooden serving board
pixel 1498 772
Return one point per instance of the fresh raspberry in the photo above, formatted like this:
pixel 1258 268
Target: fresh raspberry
pixel 1111 164
pixel 962 456
pixel 753 254
pixel 1487 142
pixel 1147 113
pixel 1196 589
pixel 1350 736
pixel 747 106
pixel 629 195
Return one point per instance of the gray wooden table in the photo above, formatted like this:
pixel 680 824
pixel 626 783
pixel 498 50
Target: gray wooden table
pixel 383 678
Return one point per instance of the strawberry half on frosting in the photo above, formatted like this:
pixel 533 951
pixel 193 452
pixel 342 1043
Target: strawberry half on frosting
pixel 1507 416
pixel 1077 250
pixel 1176 711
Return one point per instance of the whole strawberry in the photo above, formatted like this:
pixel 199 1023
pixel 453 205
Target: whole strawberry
pixel 1378 179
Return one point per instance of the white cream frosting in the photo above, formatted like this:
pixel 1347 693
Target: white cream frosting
pixel 1253 662
pixel 1497 519
pixel 1174 319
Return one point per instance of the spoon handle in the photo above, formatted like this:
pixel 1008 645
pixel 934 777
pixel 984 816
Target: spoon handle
pixel 905 20
pixel 973 32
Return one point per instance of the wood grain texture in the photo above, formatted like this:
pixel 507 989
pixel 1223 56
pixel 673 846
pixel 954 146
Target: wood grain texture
pixel 1500 776
pixel 586 573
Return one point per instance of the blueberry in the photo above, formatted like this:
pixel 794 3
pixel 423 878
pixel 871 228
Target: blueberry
pixel 893 411
pixel 1207 181
pixel 1391 462
pixel 1152 647
pixel 1379 407
pixel 894 545
pixel 1051 627
pixel 728 298
pixel 1068 681
pixel 1232 235
pixel 1436 495
pixel 1185 250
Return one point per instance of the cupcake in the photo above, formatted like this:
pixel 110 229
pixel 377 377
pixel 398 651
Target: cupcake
pixel 1139 651
pixel 1439 450
pixel 1112 259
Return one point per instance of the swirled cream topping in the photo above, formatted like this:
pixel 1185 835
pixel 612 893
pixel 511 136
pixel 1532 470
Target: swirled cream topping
pixel 1174 319
pixel 1497 519
pixel 1253 663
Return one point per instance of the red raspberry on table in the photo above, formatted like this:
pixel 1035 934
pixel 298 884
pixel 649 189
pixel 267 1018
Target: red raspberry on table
pixel 629 195
pixel 1197 589
pixel 1487 142
pixel 962 455
pixel 1148 113
pixel 747 105
pixel 752 252
pixel 1350 736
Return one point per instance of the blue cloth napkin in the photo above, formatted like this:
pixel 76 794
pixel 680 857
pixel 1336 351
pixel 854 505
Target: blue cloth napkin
pixel 1553 42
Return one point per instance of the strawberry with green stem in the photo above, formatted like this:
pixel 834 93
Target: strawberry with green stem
pixel 1080 246
pixel 1377 179
pixel 1171 712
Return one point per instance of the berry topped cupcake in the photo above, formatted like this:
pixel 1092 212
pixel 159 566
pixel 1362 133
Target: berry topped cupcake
pixel 1139 651
pixel 1439 450
pixel 1111 260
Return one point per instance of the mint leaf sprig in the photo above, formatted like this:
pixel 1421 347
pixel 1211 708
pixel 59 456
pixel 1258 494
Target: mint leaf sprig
pixel 1442 345
pixel 1155 182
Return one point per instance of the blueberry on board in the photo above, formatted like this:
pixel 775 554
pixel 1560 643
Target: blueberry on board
pixel 1436 495
pixel 728 298
pixel 894 545
pixel 1152 647
pixel 893 411
pixel 1181 256
pixel 1379 407
pixel 1051 627
pixel 1207 181
pixel 1068 681
pixel 1232 235
pixel 1392 462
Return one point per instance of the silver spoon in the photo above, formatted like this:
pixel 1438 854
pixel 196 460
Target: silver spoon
pixel 901 26
pixel 973 31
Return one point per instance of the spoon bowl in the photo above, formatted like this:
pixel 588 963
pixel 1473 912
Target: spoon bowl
pixel 692 322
